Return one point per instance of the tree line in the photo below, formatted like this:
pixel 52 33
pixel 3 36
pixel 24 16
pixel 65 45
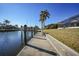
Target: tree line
pixel 5 25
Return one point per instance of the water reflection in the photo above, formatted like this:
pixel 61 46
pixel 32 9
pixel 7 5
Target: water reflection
pixel 11 42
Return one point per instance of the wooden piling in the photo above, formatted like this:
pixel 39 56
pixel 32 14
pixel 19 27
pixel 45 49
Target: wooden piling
pixel 22 39
pixel 31 32
pixel 25 37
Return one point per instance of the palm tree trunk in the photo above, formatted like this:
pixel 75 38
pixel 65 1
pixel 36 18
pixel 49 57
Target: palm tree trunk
pixel 43 25
pixel 42 28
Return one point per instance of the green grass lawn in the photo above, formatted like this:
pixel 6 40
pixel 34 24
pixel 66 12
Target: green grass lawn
pixel 70 37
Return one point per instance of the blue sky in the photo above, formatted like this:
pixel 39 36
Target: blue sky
pixel 26 13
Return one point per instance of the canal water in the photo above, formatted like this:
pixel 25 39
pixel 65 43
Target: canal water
pixel 11 42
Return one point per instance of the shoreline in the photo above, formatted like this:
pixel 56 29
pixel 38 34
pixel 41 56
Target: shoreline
pixel 8 30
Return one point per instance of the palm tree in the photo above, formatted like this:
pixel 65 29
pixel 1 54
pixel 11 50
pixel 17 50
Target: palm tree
pixel 43 16
pixel 6 22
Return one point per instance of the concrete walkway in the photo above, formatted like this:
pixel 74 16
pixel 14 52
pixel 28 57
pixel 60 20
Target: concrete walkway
pixel 38 46
pixel 61 48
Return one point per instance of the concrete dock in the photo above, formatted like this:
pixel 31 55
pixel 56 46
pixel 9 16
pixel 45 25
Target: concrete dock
pixel 46 46
pixel 38 46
